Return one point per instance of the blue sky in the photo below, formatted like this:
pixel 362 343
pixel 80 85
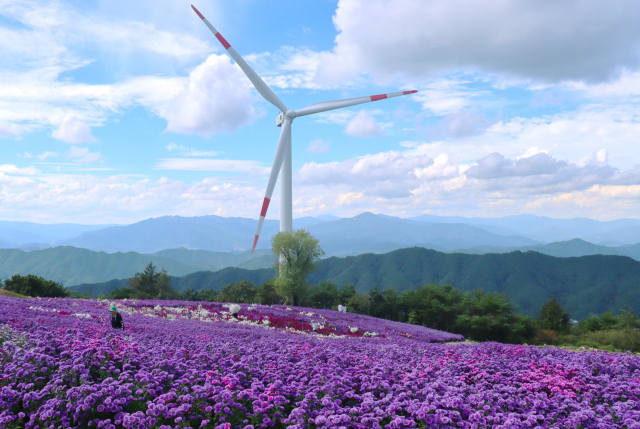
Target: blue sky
pixel 114 112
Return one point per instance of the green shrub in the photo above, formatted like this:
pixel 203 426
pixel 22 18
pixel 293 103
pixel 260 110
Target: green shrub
pixel 621 340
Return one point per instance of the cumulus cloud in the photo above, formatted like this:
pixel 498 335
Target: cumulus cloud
pixel 363 125
pixel 72 130
pixel 120 198
pixel 318 146
pixel 217 99
pixel 540 173
pixel 82 154
pixel 546 41
pixel 348 198
pixel 387 174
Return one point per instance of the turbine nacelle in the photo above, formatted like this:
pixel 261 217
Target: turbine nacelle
pixel 289 114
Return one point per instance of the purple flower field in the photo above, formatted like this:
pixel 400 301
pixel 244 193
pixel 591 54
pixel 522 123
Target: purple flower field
pixel 180 364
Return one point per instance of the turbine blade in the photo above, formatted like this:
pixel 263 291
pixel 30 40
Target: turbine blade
pixel 338 104
pixel 257 82
pixel 281 151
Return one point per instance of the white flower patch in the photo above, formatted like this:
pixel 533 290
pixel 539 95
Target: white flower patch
pixel 288 309
pixel 354 329
pixel 371 334
pixel 266 321
pixel 310 314
pixel 84 315
pixel 251 308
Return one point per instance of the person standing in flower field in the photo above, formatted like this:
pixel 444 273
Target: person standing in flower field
pixel 116 318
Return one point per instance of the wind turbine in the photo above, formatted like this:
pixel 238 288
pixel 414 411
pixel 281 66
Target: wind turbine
pixel 282 160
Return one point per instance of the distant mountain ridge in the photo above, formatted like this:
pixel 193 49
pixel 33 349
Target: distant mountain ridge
pixel 361 234
pixel 563 249
pixel 584 285
pixel 365 233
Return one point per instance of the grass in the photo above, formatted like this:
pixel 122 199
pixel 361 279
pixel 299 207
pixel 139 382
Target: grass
pixel 12 294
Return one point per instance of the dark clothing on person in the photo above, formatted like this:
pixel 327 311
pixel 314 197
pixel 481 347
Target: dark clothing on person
pixel 116 321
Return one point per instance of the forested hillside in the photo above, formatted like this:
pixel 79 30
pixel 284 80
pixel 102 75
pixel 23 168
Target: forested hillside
pixel 585 285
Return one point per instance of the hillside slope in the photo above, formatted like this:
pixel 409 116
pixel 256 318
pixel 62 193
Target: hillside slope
pixel 71 266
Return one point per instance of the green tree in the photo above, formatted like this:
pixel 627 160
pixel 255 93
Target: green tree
pixel 31 285
pixel 151 284
pixel 125 292
pixel 359 304
pixel 242 291
pixel 325 295
pixel 267 294
pixel 492 317
pixel 346 293
pixel 608 320
pixel 296 256
pixel 433 306
pixel 552 316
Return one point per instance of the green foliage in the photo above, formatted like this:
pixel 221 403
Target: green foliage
pixel 151 284
pixel 553 317
pixel 492 317
pixel 31 285
pixel 620 340
pixel 325 295
pixel 267 294
pixel 122 293
pixel 433 306
pixel 347 292
pixel 359 304
pixel 296 255
pixel 242 291
pixel 208 295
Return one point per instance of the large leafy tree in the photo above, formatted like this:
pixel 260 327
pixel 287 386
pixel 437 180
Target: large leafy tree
pixel 296 256
pixel 31 285
pixel 153 284
pixel 552 316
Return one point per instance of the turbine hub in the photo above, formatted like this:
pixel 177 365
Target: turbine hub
pixel 289 114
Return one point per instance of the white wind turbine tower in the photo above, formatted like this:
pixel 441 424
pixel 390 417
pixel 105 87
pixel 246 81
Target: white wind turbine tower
pixel 284 120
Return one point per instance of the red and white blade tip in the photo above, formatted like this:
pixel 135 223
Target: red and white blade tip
pixel 383 96
pixel 255 241
pixel 197 11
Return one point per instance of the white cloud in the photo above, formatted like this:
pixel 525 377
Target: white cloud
pixel 318 146
pixel 446 96
pixel 12 169
pixel 72 130
pixel 185 151
pixel 47 154
pixel 363 125
pixel 547 41
pixel 82 154
pixel 348 198
pixel 217 99
pixel 119 198
pixel 194 164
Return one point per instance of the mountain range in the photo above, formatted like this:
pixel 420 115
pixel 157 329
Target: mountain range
pixel 584 285
pixel 365 233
